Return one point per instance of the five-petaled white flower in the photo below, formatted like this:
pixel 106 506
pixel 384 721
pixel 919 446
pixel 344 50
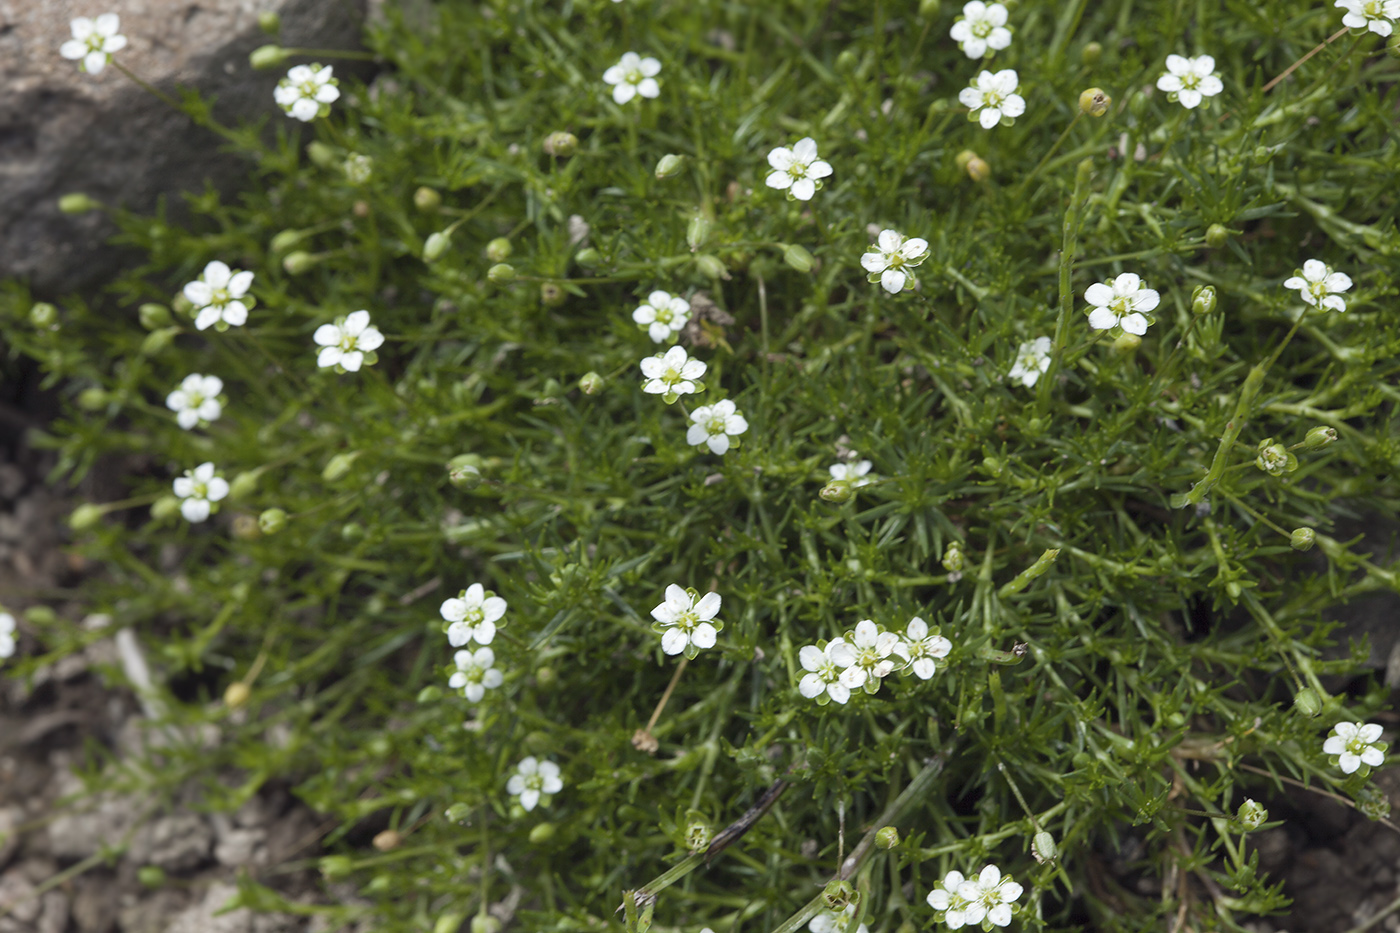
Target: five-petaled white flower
pixel 196 401
pixel 1032 360
pixel 715 425
pixel 854 474
pixel 797 169
pixel 7 635
pixel 217 296
pixel 93 42
pixel 1190 80
pixel 662 316
pixel 1318 285
pixel 307 92
pixel 633 75
pixel 871 649
pixel 823 682
pixel 200 488
pixel 472 615
pixel 532 780
pixel 686 621
pixel 946 899
pixel 348 343
pixel 1379 16
pixel 989 896
pixel 829 921
pixel 982 28
pixel 920 650
pixel 891 255
pixel 672 374
pixel 995 96
pixel 1124 303
pixel 475 673
pixel 1355 744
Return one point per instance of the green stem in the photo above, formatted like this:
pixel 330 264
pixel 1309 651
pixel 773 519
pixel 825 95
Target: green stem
pixel 1021 191
pixel 1071 234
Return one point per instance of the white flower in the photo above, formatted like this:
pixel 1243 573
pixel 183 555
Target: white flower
pixel 686 621
pixel 947 898
pixel 475 673
pixel 982 27
pixel 995 95
pixel 1318 284
pixel 662 316
pixel 714 425
pixel 797 169
pixel 1375 15
pixel 890 256
pixel 348 343
pixel 989 896
pixel 200 488
pixel 920 650
pixel 825 666
pixel 1032 360
pixel 93 42
pixel 871 649
pixel 358 168
pixel 1124 302
pixel 196 401
pixel 533 779
pixel 633 75
pixel 829 921
pixel 1355 744
pixel 217 297
pixel 672 374
pixel 307 92
pixel 473 615
pixel 853 473
pixel 7 635
pixel 1189 80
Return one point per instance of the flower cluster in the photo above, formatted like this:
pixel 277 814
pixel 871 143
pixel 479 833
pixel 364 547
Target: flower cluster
pixel 987 900
pixel 1378 16
pixel 797 170
pixel 993 98
pixel 861 659
pixel 662 316
pixel 472 615
pixel 1319 286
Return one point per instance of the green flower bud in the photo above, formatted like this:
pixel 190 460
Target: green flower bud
pixel 1302 539
pixel 1094 102
pixel 86 516
pixel 1216 235
pixel 245 528
pixel 953 558
pixel 929 9
pixel 237 694
pixel 1126 343
pixel 839 894
pixel 268 56
pixel 429 694
pixel 591 383
pixel 77 204
pixel 964 157
pixel 484 923
pixel 501 273
pixel 153 315
pixel 465 476
pixel 1320 437
pixel 41 615
pixel 1043 847
pixel 838 490
pixel 269 22
pixel 711 266
pixel 1203 299
pixel 560 144
pixel 165 508
pixel 427 199
pixel 244 484
pixel 1275 459
pixel 152 876
pixel 1137 104
pixel 588 258
pixel 43 315
pixel 545 676
pixel 436 245
pixel 542 833
pixel 698 832
pixel 697 231
pixel 1251 815
pixel 552 295
pixel 94 399
pixel 669 165
pixel 1091 54
pixel 271 521
pixel 887 837
pixel 1307 702
pixel 448 923
pixel 352 531
pixel 978 169
pixel 320 154
pixel 458 812
pixel 182 305
pixel 157 340
pixel 285 240
pixel 847 61
pixel 798 257
pixel 1392 45
pixel 298 262
pixel 499 249
pixel 339 466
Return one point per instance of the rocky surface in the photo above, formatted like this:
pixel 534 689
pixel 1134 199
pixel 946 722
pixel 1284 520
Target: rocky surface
pixel 64 131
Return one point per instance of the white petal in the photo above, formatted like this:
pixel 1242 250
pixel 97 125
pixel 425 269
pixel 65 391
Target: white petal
pixel 94 62
pixel 989 117
pixel 970 97
pixel 719 444
pixel 529 798
pixel 327 94
pixel 811 685
pixel 493 608
pixel 781 159
pixel 917 629
pixel 811 657
pixel 779 180
pixel 1000 915
pixel 892 281
pixel 805 149
pixel 73 49
pixel 873 262
pixel 1371 732
pixel 1373 757
pixel 1145 299
pixel 1169 83
pixel 695 435
pixel 649 88
pixel 1210 86
pixel 708 606
pixel 1203 64
pixel 1334 745
pixel 1348 762
pixel 623 92
pixel 925 668
pixel 352 361
pixel 674 641
pixel 1337 282
pixel 484 633
pixel 1102 319
pixel 82 27
pixel 305 110
pixel 458 634
pixel 865 634
pixel 838 692
pixel 197 510
pixel 803 189
pixel 1178 65
pixel 235 313
pixel 914 248
pixel 649 67
pixel 703 636
pixel 1190 99
pixel 328 357
pixel 1013 106
pixel 889 241
pixel 1135 324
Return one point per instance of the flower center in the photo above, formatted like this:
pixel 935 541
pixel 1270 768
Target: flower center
pixel 867 657
pixel 671 376
pixel 663 315
pixel 1120 306
pixel 634 76
pixel 195 400
pixel 715 426
pixel 200 491
pixel 1372 9
pixel 991 98
pixel 1318 290
pixel 1189 81
pixel 982 29
pixel 473 616
pixel 798 170
pixel 534 782
pixel 687 620
pixel 347 343
pixel 220 297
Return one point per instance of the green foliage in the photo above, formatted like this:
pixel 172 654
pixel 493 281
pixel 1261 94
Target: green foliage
pixel 1137 683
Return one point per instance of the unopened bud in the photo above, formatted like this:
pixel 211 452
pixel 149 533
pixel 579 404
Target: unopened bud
pixel 588 258
pixel 245 528
pixel 552 295
pixel 77 204
pixel 698 833
pixel 711 266
pixel 953 558
pixel 1203 299
pixel 1307 702
pixel 152 876
pixel 153 315
pixel 1392 45
pixel 298 262
pixel 1094 101
pixel 339 466
pixel 697 231
pixel 388 840
pixel 436 245
pixel 964 157
pixel 1251 815
pixel 429 694
pixel 285 240
pixel 458 812
pixel 165 508
pixel 887 837
pixel 94 399
pixel 271 521
pixel 1091 54
pixel 847 61
pixel 978 169
pixel 499 249
pixel 1320 437
pixel 542 833
pixel 268 56
pixel 501 273
pixel 269 22
pixel 798 257
pixel 320 154
pixel 838 895
pixel 546 676
pixel 560 144
pixel 1126 343
pixel 464 471
pixel 86 516
pixel 485 923
pixel 1043 847
pixel 244 484
pixel 236 694
pixel 1302 539
pixel 352 531
pixel 157 340
pixel 1217 235
pixel 929 9
pixel 838 490
pixel 41 615
pixel 43 315
pixel 591 383
pixel 1275 459
pixel 669 165
pixel 427 199
pixel 1137 104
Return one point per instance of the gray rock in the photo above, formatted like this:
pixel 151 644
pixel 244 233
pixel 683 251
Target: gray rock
pixel 64 131
pixel 91 822
pixel 201 918
pixel 176 843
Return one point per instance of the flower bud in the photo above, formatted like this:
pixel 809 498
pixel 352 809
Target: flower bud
pixel 669 165
pixel 953 558
pixel 499 249
pixel 1302 538
pixel 85 516
pixel 352 531
pixel 542 833
pixel 94 399
pixel 962 158
pixel 887 837
pixel 298 262
pixel 157 340
pixel 436 245
pixel 268 56
pixel 236 694
pixel 485 923
pixel 1091 54
pixel 1274 459
pixel 560 144
pixel 429 694
pixel 271 521
pixel 285 240
pixel 588 258
pixel 245 528
pixel 152 876
pixel 1392 45
pixel 464 472
pixel 697 231
pixel 546 676
pixel 388 840
pixel 711 266
pixel 244 484
pixel 501 273
pixel 153 315
pixel 1320 437
pixel 838 490
pixel 427 199
pixel 320 154
pixel 1137 104
pixel 1203 299
pixel 1094 101
pixel 551 295
pixel 798 257
pixel 838 895
pixel 77 204
pixel 269 22
pixel 591 383
pixel 41 615
pixel 847 61
pixel 1126 343
pixel 698 832
pixel 1307 702
pixel 929 9
pixel 1043 846
pixel 1217 235
pixel 339 466
pixel 978 169
pixel 165 508
pixel 43 315
pixel 1251 815
pixel 458 812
